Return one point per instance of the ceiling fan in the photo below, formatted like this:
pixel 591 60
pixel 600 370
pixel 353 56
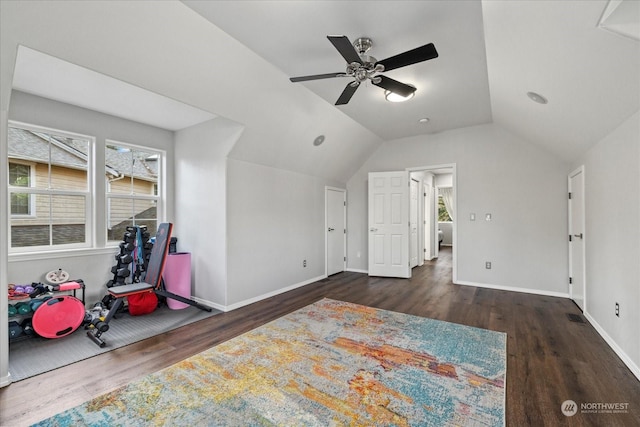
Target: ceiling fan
pixel 363 67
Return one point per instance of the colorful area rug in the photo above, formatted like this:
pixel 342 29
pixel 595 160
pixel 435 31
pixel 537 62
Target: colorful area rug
pixel 330 363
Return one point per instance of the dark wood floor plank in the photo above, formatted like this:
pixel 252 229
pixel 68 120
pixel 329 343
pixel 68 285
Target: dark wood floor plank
pixel 549 358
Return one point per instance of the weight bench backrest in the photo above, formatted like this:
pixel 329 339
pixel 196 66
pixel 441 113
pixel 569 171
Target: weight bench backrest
pixel 157 261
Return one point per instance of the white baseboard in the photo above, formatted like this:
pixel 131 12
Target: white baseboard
pixel 514 289
pixel 614 346
pixel 5 381
pixel 357 270
pixel 259 297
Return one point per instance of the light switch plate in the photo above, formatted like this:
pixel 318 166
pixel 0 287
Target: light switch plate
pixel 472 217
pixel 487 217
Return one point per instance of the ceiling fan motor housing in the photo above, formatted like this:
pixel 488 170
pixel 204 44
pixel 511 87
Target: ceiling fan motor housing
pixel 365 70
pixel 362 45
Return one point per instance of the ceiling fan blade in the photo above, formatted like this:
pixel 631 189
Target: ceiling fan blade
pixel 419 54
pixel 346 49
pixel 316 77
pixel 347 93
pixel 395 86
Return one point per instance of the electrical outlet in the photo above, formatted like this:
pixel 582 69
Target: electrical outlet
pixel 487 265
pixel 304 262
pixel 617 310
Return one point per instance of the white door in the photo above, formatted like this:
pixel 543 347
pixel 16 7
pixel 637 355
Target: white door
pixel 389 224
pixel 335 200
pixel 413 223
pixel 576 237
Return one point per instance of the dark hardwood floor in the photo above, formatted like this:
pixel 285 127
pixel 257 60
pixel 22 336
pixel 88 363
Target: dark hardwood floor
pixel 549 358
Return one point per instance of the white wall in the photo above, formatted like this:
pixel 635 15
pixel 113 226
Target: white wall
pixel 275 221
pixel 447 232
pixel 92 266
pixel 523 187
pixel 167 48
pixel 201 204
pixel 444 180
pixel 612 238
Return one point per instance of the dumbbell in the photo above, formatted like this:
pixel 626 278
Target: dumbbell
pixel 12 310
pixel 34 304
pixel 127 246
pixel 23 308
pixel 122 272
pixel 124 259
pixel 27 327
pixel 15 330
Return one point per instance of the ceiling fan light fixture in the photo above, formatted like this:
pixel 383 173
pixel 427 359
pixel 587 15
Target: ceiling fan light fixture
pixel 394 97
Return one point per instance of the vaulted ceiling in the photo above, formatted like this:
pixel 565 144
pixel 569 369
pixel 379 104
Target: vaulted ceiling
pixel 491 54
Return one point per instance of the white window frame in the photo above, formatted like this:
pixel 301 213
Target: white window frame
pixel 160 198
pixel 87 194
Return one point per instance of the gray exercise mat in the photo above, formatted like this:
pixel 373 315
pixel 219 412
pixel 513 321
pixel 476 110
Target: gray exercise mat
pixel 37 355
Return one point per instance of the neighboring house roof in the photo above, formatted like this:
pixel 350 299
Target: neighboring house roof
pixel 144 167
pixel 27 145
pixel 34 146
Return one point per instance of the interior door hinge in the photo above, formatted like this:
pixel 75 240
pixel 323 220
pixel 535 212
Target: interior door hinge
pixel 345 231
pixel 570 280
pixel 345 203
pixel 345 259
pixel 570 238
pixel 569 195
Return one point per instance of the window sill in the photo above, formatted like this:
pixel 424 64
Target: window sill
pixel 68 253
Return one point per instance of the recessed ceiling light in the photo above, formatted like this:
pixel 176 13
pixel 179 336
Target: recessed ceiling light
pixel 394 97
pixel 319 140
pixel 424 120
pixel 537 98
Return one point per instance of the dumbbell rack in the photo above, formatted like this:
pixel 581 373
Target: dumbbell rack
pixel 133 258
pixel 20 323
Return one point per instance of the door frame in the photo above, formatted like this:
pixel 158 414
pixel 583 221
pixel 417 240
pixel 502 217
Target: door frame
pixel 454 226
pixel 580 170
pixel 415 207
pixel 326 227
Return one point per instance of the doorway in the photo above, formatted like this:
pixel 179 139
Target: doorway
pixel 392 242
pixel 432 230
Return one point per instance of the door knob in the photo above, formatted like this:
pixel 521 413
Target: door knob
pixel 578 235
pixel 373 229
pixel 330 229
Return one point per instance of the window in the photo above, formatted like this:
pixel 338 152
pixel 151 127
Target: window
pixel 133 193
pixel 21 175
pixel 48 188
pixel 443 214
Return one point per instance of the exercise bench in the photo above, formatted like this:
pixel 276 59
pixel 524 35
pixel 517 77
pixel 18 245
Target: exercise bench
pixel 152 283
